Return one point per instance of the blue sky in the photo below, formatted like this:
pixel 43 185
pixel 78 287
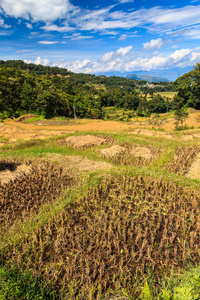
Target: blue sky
pixel 98 37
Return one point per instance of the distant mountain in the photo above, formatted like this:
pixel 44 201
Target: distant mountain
pixel 170 74
pixel 146 78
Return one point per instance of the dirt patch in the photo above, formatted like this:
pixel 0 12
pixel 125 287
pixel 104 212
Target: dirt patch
pixel 84 141
pixel 26 117
pixel 112 151
pixel 78 162
pixel 141 152
pixel 194 171
pixel 10 174
pixel 13 133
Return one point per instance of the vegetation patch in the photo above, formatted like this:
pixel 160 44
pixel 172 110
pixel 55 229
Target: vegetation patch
pixel 26 188
pixel 22 119
pixel 133 154
pixel 105 241
pixel 183 159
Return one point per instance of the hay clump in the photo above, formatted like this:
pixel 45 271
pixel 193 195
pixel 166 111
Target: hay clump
pixel 112 151
pixel 131 154
pixel 194 171
pixel 8 175
pixel 141 152
pixel 77 162
pixel 84 141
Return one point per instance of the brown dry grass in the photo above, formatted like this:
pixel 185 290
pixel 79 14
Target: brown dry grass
pixel 84 141
pixel 194 171
pixel 7 175
pixel 141 152
pixel 14 130
pixel 112 151
pixel 14 133
pixel 77 163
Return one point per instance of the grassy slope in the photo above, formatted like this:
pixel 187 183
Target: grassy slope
pixel 15 285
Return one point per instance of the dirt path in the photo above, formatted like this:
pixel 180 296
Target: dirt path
pixel 83 125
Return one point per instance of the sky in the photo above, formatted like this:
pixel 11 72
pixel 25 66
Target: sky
pixel 103 37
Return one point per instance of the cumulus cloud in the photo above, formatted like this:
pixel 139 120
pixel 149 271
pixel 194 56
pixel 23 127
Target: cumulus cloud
pixel 124 51
pixel 107 56
pixel 110 61
pixel 46 10
pixel 153 44
pixel 113 56
pixel 38 61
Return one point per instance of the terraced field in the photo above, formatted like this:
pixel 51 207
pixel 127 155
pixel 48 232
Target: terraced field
pixel 99 215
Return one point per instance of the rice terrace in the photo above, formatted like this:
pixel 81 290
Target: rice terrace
pixel 98 215
pixel 102 202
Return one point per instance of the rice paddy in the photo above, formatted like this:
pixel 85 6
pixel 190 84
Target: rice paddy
pixel 100 216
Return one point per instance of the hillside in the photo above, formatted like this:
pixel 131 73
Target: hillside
pixel 49 91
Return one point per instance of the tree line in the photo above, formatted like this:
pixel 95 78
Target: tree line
pixel 52 91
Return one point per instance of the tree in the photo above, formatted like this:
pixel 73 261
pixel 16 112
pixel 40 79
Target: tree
pixel 180 116
pixel 188 89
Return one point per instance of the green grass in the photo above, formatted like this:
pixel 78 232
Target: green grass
pixel 18 284
pixel 34 119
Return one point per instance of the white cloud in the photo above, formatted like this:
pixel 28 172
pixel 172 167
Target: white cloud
pixel 179 54
pixel 46 10
pixel 29 26
pixel 153 44
pixel 159 19
pixel 3 25
pixel 47 42
pixel 38 61
pixel 110 61
pixel 78 36
pixel 122 37
pixel 124 51
pixel 51 27
pixel 107 56
pixel 125 1
pixel 112 56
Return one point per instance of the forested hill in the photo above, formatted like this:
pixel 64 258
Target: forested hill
pixel 108 82
pixel 53 91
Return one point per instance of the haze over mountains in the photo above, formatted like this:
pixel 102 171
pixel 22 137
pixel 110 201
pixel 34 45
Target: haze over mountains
pixel 164 74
